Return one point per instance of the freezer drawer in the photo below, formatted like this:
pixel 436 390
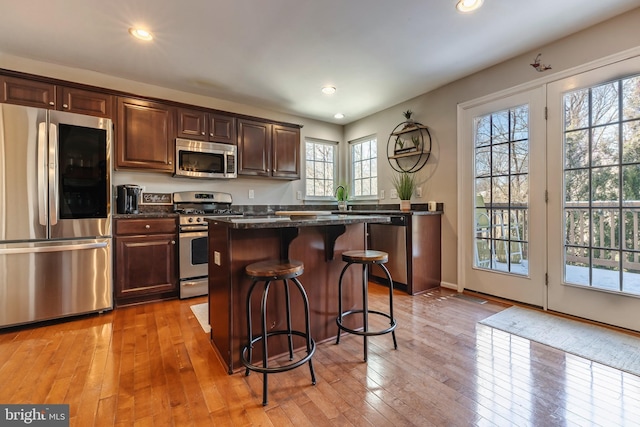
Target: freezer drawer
pixel 48 280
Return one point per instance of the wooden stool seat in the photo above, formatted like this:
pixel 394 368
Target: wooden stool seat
pixel 264 273
pixel 366 256
pixel 275 269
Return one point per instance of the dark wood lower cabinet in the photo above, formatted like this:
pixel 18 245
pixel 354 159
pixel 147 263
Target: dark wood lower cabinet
pixel 145 264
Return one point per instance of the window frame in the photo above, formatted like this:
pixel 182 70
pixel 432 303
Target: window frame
pixel 336 178
pixel 351 144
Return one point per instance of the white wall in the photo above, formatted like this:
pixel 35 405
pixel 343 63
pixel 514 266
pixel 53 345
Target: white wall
pixel 267 191
pixel 437 109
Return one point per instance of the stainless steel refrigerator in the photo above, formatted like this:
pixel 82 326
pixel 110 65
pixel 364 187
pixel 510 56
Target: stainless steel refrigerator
pixel 55 214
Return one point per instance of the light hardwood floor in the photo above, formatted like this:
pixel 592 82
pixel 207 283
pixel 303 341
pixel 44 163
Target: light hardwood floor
pixel 152 365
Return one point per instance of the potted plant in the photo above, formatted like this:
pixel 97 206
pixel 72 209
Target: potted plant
pixel 405 185
pixel 342 195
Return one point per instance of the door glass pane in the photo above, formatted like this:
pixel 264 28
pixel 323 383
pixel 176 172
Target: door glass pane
pixel 601 176
pixel 501 209
pixel 83 169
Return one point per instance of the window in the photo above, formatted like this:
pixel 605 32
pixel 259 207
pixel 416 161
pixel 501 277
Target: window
pixel 601 186
pixel 364 167
pixel 501 153
pixel 321 173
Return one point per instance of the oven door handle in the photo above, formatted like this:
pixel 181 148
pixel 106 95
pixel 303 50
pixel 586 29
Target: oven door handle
pixel 194 230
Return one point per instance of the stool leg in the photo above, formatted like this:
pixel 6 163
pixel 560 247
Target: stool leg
pixel 339 319
pixel 265 355
pixel 249 328
pixel 365 305
pixel 393 333
pixel 288 301
pixel 305 302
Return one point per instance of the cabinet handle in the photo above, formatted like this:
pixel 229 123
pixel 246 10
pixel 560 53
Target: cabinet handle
pixel 211 134
pixel 147 226
pixel 202 133
pixel 173 242
pixel 65 106
pixel 170 163
pixel 52 103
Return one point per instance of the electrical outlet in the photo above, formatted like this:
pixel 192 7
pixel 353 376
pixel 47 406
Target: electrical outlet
pixel 381 194
pixel 251 194
pixel 393 194
pixel 418 191
pixel 299 195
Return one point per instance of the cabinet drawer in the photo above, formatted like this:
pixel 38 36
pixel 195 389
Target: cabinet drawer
pixel 146 226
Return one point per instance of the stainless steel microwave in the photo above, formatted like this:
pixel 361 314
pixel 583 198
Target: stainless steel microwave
pixel 202 159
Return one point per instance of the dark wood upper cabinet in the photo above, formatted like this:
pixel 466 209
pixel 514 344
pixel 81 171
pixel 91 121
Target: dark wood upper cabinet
pixel 145 135
pixel 270 150
pixel 254 148
pixel 85 102
pixel 28 92
pixel 46 95
pixel 206 126
pixel 286 152
pixel 222 128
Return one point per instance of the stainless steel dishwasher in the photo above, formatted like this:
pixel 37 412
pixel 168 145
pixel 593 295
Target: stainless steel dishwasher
pixel 391 238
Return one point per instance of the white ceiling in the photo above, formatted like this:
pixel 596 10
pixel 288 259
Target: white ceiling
pixel 277 54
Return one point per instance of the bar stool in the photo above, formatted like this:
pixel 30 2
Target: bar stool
pixel 266 272
pixel 365 258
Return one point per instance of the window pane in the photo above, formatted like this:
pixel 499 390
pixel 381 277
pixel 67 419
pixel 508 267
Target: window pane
pixel 604 184
pixel 520 156
pixel 576 110
pixel 520 123
pixel 483 161
pixel 631 98
pixel 631 142
pixel 604 149
pixel 604 104
pixel 576 184
pixel 500 127
pixel 483 131
pixel 576 146
pixel 500 165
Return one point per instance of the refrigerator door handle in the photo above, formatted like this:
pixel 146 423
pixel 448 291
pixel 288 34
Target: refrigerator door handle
pixel 53 248
pixel 53 173
pixel 42 171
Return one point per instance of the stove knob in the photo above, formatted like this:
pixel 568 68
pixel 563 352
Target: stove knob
pixel 190 219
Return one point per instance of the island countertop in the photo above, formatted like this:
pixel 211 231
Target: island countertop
pixel 275 221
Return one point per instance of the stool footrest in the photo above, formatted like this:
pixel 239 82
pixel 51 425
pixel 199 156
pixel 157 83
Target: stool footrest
pixel 391 328
pixel 276 369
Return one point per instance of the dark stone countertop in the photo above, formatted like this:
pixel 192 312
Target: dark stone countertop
pixel 276 221
pixel 146 215
pixel 389 212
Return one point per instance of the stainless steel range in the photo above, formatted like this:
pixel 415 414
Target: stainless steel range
pixel 194 207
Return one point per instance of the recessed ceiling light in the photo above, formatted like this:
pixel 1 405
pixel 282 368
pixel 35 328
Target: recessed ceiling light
pixel 466 6
pixel 141 34
pixel 339 116
pixel 328 90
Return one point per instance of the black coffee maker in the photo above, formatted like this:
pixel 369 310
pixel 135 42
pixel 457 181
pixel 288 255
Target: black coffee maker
pixel 128 198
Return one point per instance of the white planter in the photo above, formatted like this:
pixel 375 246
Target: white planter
pixel 405 205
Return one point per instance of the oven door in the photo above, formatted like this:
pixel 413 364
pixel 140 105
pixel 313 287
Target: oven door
pixel 194 253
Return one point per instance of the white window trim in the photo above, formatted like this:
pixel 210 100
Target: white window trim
pixel 336 158
pixel 351 172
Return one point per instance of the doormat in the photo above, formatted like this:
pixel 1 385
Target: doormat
pixel 201 311
pixel 599 344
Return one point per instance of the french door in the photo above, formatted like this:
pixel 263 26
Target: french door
pixel 502 212
pixel 594 194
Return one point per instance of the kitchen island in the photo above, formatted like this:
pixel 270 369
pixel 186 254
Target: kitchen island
pixel 235 242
